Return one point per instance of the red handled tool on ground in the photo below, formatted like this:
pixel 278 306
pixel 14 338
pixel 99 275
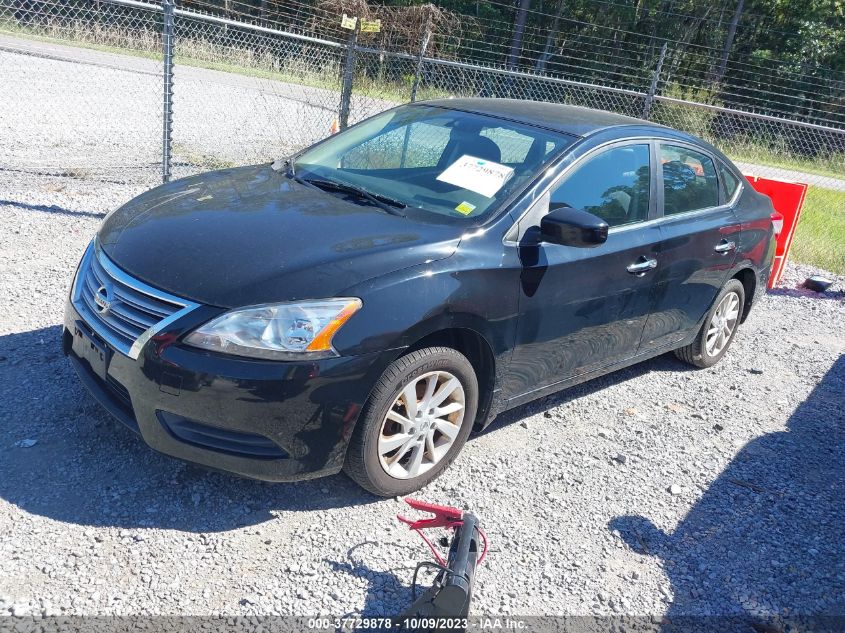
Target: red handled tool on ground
pixel 446 602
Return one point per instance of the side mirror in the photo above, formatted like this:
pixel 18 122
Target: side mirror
pixel 573 227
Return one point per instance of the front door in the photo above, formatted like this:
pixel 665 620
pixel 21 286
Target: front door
pixel 585 308
pixel 699 234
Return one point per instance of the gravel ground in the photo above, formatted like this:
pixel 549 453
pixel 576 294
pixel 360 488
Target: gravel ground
pixel 657 490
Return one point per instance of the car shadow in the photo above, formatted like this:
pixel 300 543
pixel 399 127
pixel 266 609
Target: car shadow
pixel 804 293
pixel 666 362
pixel 86 468
pixel 765 541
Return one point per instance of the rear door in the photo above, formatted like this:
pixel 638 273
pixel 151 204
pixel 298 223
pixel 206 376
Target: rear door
pixel 698 238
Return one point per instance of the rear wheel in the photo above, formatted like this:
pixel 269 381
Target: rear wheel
pixel 719 328
pixel 414 424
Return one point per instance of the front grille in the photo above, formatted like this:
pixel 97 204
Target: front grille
pixel 134 309
pixel 219 439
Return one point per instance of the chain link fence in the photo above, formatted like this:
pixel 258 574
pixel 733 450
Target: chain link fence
pixel 83 96
pixel 81 112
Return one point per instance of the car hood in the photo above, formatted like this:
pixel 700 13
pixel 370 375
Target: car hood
pixel 250 235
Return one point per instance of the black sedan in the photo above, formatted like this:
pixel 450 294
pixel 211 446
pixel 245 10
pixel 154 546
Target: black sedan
pixel 367 303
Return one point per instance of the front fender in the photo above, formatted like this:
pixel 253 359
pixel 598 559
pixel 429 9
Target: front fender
pixel 403 307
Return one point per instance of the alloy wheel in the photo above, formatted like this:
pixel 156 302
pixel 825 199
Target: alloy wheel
pixel 722 324
pixel 421 425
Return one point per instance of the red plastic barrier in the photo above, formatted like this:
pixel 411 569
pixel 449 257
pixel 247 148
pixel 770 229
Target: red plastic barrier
pixel 787 199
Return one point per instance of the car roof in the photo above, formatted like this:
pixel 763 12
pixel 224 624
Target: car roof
pixel 570 119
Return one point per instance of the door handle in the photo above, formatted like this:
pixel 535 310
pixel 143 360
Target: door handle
pixel 642 266
pixel 725 246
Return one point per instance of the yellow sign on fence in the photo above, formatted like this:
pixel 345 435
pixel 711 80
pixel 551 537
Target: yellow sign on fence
pixel 370 26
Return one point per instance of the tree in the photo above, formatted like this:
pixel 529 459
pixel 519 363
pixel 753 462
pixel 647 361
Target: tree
pixel 729 42
pixel 551 38
pixel 518 32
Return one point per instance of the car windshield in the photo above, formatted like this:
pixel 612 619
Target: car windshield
pixel 456 164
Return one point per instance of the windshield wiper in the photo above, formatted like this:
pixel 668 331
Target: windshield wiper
pixel 383 202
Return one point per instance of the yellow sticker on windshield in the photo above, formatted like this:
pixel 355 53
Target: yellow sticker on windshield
pixel 465 208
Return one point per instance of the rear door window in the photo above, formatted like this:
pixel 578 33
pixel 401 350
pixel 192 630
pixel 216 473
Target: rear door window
pixel 689 180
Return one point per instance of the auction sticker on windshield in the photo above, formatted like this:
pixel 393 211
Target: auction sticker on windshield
pixel 476 174
pixel 465 208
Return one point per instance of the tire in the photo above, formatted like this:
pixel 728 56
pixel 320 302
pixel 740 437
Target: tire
pixel 422 447
pixel 699 353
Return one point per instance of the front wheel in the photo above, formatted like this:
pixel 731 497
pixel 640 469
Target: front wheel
pixel 415 422
pixel 719 328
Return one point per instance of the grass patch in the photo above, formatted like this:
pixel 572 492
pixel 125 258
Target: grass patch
pixel 106 48
pixel 765 150
pixel 185 156
pixel 148 48
pixel 304 70
pixel 831 166
pixel 820 237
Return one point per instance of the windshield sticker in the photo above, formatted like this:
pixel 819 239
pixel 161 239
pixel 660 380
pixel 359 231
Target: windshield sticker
pixel 476 174
pixel 465 208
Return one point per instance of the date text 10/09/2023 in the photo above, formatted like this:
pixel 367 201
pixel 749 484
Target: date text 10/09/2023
pixel 417 623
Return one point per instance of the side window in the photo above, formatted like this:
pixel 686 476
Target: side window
pixel 613 185
pixel 689 180
pixel 727 180
pixel 414 145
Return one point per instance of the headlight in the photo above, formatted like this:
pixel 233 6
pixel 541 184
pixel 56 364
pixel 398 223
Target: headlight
pixel 283 331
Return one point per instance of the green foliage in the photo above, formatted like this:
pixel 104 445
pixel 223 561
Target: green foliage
pixel 820 236
pixel 786 58
pixel 697 121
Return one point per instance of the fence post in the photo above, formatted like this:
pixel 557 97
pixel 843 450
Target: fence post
pixel 423 46
pixel 348 75
pixel 167 45
pixel 652 89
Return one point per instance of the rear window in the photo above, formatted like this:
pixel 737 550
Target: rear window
pixel 689 180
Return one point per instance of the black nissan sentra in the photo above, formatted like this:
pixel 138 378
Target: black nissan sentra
pixel 368 302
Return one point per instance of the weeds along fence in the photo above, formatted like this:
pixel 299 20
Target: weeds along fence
pixel 89 92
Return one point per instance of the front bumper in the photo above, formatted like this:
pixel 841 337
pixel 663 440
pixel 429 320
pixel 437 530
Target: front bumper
pixel 269 420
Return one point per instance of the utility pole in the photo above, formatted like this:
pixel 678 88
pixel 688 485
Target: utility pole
pixel 167 50
pixel 348 73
